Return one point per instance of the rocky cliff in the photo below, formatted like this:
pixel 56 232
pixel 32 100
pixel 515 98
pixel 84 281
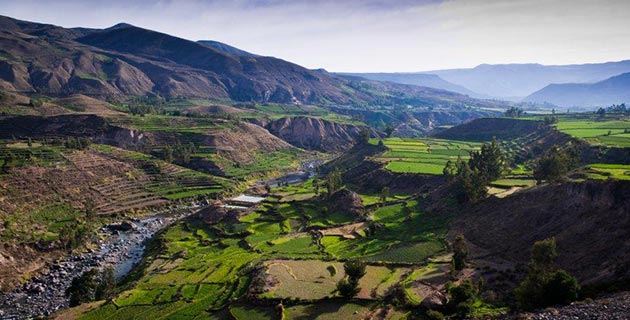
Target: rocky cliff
pixel 315 133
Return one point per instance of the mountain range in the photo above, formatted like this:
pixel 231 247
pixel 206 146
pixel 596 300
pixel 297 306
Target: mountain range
pixel 126 61
pixel 418 79
pixel 518 81
pixel 604 93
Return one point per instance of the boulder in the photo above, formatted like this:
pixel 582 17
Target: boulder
pixel 345 200
pixel 434 301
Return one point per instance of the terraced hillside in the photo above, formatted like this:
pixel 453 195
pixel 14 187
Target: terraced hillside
pixel 611 130
pixel 47 189
pixel 424 156
pixel 288 249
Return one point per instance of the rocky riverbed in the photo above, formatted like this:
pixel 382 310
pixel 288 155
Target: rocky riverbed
pixel 121 246
pixel 611 307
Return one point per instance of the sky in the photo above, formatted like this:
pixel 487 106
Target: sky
pixel 370 35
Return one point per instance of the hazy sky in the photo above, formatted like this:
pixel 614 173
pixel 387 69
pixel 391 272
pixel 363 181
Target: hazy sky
pixel 370 35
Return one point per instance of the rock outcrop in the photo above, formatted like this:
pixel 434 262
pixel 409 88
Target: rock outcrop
pixel 316 134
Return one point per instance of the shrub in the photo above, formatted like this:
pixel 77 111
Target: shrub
pixel 348 288
pixel 561 288
pixel 355 269
pixel 460 253
pixel 434 315
pixel 545 285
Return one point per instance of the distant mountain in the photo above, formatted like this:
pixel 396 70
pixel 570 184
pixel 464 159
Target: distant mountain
pixel 126 61
pixel 515 81
pixel 418 79
pixel 226 48
pixel 614 90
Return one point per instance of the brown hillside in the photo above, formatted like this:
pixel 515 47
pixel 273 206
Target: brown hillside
pixel 589 220
pixel 84 104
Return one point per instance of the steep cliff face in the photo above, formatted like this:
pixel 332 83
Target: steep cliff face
pixel 589 220
pixel 315 133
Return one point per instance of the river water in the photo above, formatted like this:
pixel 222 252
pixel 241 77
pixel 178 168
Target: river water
pixel 122 250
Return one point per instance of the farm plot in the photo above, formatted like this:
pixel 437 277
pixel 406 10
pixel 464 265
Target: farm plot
pixel 611 130
pixel 405 235
pixel 603 171
pixel 315 279
pixel 423 155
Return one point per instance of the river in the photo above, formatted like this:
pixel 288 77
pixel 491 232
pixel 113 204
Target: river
pixel 122 250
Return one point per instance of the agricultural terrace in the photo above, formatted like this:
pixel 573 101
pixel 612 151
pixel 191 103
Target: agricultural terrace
pixel 611 130
pixel 90 186
pixel 280 111
pixel 290 247
pixel 601 171
pixel 429 156
pixel 423 155
pixel 154 122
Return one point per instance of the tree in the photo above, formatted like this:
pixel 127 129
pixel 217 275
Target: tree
pixel 545 285
pixel 73 235
pixel 106 285
pixel 348 288
pixel 543 255
pixel 89 206
pixel 462 298
pixel 91 285
pixel 601 112
pixel 389 130
pixel 460 252
pixel 471 178
pixel 450 170
pixel 168 154
pixel 333 182
pixel 36 103
pixel 489 161
pixel 561 288
pixel 364 136
pixel 384 195
pixel 470 186
pixel 355 269
pixel 554 164
pixel 514 112
pixel 82 288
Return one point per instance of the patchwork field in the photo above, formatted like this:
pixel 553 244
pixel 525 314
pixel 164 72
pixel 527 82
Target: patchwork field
pixel 611 130
pixel 423 155
pixel 290 247
pixel 603 171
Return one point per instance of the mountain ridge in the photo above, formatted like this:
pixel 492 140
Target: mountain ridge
pixel 515 81
pixel 125 61
pixel 614 90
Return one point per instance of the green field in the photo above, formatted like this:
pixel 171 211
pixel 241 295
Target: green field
pixel 423 155
pixel 612 130
pixel 602 171
pixel 195 270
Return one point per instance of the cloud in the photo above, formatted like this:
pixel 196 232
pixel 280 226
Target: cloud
pixel 371 35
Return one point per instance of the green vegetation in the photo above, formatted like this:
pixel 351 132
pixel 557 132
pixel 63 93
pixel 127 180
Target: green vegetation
pixel 555 163
pixel 608 129
pixel 423 155
pixel 469 180
pixel 603 171
pixel 197 270
pixel 545 285
pixel 355 270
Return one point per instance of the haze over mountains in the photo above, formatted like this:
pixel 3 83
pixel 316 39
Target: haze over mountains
pixel 613 90
pixel 517 81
